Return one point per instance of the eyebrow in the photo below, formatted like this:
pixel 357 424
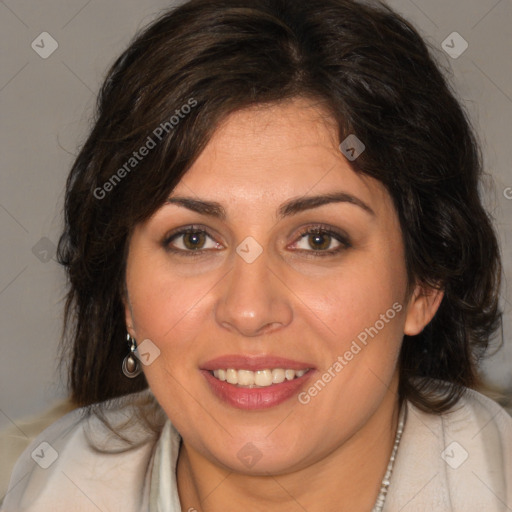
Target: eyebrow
pixel 291 207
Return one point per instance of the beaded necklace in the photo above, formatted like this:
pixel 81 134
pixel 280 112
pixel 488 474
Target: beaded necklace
pixel 386 481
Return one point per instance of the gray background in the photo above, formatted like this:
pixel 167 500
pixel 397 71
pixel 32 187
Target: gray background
pixel 46 106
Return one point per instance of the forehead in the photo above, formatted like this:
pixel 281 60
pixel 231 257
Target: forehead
pixel 289 126
pixel 286 149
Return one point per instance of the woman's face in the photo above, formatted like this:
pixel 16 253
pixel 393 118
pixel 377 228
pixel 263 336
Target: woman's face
pixel 248 288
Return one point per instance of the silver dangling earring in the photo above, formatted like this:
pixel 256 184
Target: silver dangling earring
pixel 131 365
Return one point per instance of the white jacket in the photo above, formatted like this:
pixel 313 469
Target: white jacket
pixel 460 461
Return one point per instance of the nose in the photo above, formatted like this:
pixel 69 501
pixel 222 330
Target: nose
pixel 253 299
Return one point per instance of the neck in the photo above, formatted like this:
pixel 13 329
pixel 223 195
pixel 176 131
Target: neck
pixel 349 478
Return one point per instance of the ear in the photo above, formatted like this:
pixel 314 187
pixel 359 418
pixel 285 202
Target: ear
pixel 422 307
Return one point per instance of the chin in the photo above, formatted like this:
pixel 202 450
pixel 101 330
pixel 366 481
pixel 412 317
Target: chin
pixel 261 454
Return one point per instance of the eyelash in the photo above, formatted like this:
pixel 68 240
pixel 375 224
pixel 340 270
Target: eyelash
pixel 319 229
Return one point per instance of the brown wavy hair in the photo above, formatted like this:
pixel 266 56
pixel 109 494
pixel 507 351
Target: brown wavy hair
pixel 378 79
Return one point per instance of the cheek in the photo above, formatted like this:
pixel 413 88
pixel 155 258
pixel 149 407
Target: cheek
pixel 165 306
pixel 355 298
pixel 360 321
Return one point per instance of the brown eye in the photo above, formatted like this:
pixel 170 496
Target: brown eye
pixel 319 241
pixel 190 241
pixel 322 241
pixel 194 240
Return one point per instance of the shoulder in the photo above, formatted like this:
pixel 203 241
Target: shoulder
pixel 15 438
pixel 477 427
pixel 480 429
pixel 476 407
pixel 475 416
pixel 89 459
pixel 457 460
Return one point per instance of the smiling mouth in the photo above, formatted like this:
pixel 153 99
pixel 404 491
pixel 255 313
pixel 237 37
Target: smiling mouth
pixel 259 378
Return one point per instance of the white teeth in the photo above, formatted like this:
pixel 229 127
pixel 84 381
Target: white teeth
pixel 232 376
pixel 259 378
pixel 278 375
pixel 220 374
pixel 263 378
pixel 246 378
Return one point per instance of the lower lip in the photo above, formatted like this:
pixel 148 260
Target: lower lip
pixel 255 398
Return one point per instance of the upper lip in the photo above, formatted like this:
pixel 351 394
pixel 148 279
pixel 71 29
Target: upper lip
pixel 254 363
